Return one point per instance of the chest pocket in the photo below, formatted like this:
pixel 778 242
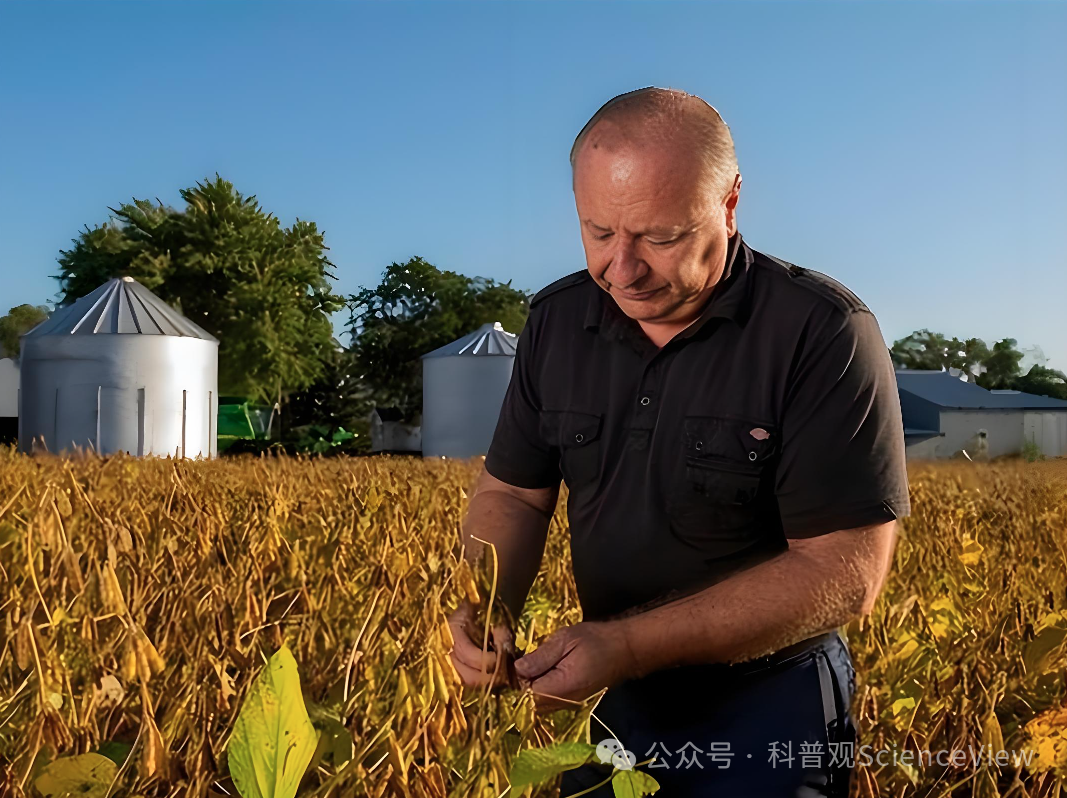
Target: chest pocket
pixel 727 485
pixel 578 436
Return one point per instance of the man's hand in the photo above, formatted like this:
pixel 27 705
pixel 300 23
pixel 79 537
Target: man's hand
pixel 477 666
pixel 576 662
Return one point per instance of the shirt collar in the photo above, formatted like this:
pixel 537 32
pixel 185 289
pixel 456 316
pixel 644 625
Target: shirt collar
pixel 727 301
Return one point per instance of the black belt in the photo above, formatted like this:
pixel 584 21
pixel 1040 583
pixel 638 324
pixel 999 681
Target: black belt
pixel 789 652
pixel 718 672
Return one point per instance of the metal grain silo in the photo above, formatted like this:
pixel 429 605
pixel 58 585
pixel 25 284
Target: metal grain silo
pixel 463 387
pixel 119 370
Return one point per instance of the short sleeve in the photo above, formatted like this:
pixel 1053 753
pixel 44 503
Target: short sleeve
pixel 518 455
pixel 842 462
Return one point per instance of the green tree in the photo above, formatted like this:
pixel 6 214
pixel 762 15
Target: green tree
pixel 20 319
pixel 1042 381
pixel 262 289
pixel 1001 366
pixel 336 400
pixel 415 309
pixel 994 369
pixel 930 350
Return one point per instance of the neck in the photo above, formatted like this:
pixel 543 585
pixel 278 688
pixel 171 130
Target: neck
pixel 660 334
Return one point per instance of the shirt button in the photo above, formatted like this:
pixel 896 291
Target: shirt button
pixel 644 400
pixel 579 437
pixel 751 455
pixel 699 445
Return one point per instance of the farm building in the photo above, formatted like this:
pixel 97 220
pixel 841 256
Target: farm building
pixel 119 370
pixel 463 387
pixel 9 400
pixel 944 415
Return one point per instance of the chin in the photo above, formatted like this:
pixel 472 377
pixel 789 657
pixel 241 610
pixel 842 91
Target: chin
pixel 642 311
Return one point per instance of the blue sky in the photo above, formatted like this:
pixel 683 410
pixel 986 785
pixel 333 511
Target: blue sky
pixel 913 150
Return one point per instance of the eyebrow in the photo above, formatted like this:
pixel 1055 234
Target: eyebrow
pixel 675 230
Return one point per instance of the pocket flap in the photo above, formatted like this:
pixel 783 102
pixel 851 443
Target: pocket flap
pixel 571 427
pixel 731 440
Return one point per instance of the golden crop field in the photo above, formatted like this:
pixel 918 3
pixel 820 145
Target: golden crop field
pixel 141 599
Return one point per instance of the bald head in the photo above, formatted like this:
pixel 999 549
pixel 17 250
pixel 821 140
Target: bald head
pixel 664 119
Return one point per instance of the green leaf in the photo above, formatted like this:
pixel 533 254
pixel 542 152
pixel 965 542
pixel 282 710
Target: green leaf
pixel 342 435
pixel 633 784
pixel 273 740
pixel 84 775
pixel 335 741
pixel 537 765
pixel 115 751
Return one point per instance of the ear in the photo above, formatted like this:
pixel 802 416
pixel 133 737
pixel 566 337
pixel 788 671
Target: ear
pixel 731 206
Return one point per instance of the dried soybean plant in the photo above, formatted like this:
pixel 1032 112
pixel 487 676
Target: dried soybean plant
pixel 141 598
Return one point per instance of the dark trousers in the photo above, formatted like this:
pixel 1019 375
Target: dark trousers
pixel 768 728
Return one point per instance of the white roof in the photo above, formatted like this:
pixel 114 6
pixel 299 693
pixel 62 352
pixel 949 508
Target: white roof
pixel 489 339
pixel 123 306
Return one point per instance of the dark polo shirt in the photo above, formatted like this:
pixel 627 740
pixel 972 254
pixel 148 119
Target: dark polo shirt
pixel 774 416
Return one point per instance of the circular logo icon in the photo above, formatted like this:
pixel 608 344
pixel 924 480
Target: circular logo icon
pixel 612 752
pixel 606 749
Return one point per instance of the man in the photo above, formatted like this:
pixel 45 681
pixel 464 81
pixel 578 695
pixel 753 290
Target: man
pixel 729 430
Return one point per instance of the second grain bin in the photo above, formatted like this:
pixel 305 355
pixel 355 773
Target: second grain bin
pixel 463 387
pixel 119 371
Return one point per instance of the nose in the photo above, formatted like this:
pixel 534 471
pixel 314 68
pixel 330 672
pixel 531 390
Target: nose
pixel 625 268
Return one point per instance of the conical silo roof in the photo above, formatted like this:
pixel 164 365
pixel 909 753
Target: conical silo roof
pixel 123 306
pixel 489 339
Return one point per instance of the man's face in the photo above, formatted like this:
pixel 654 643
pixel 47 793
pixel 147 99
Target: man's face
pixel 655 238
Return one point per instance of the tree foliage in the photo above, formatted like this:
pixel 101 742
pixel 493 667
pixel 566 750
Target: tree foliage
pixel 1042 381
pixel 415 309
pixel 930 350
pixel 19 320
pixel 994 368
pixel 262 289
pixel 336 400
pixel 1001 366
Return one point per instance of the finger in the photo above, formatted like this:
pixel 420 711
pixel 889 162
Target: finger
pixel 541 659
pixel 552 691
pixel 471 677
pixel 503 639
pixel 552 685
pixel 467 641
pixel 473 656
pixel 477 659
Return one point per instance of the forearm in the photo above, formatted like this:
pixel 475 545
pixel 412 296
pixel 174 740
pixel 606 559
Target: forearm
pixel 753 613
pixel 518 532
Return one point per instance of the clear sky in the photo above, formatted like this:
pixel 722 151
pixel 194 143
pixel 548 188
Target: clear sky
pixel 913 150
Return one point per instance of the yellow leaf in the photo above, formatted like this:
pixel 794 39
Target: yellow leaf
pixel 972 552
pixel 908 645
pixel 1052 620
pixel 902 704
pixel 943 604
pixel 940 630
pixel 84 775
